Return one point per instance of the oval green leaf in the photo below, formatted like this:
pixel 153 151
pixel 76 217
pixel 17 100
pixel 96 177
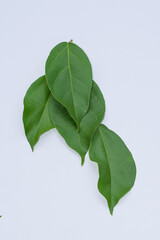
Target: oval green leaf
pixel 36 117
pixel 117 170
pixel 79 140
pixel 69 78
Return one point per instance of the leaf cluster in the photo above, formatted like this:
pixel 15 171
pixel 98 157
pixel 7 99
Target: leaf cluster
pixel 67 98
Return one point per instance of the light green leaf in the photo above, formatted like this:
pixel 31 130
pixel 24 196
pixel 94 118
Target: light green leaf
pixel 117 170
pixel 36 117
pixel 69 78
pixel 79 140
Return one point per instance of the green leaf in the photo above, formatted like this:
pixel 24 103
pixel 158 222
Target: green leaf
pixel 36 117
pixel 117 170
pixel 69 78
pixel 79 140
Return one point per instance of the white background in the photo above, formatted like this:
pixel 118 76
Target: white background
pixel 47 194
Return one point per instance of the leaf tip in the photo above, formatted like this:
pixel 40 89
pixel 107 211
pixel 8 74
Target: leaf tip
pixel 111 210
pixel 82 160
pixel 32 147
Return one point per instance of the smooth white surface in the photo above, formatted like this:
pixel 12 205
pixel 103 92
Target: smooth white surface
pixel 47 194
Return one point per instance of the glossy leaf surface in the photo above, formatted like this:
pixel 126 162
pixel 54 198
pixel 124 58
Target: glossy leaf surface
pixel 79 140
pixel 36 117
pixel 117 169
pixel 69 78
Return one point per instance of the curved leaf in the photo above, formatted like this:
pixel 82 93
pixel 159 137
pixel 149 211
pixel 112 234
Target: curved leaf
pixel 79 140
pixel 36 117
pixel 117 170
pixel 69 78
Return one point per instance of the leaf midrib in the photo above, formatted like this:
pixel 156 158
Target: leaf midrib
pixel 70 77
pixel 41 117
pixel 101 135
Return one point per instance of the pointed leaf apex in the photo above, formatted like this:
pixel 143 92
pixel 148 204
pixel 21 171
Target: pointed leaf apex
pixel 82 160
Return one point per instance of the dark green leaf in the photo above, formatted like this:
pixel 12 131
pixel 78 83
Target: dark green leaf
pixel 79 140
pixel 69 78
pixel 117 169
pixel 36 117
